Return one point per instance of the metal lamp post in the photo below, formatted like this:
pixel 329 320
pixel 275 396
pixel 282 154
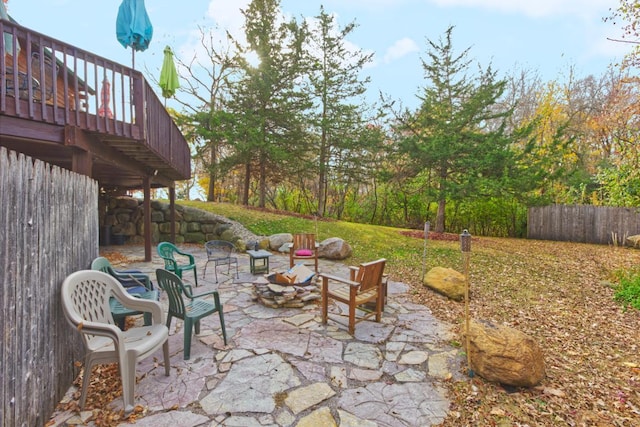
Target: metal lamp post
pixel 465 247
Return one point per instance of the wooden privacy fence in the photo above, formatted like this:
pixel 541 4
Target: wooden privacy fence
pixel 583 223
pixel 48 229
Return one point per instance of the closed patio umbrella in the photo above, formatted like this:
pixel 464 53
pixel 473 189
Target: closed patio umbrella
pixel 133 27
pixel 105 98
pixel 169 81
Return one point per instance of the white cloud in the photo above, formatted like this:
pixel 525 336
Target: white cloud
pixel 399 49
pixel 227 14
pixel 599 44
pixel 366 4
pixel 536 8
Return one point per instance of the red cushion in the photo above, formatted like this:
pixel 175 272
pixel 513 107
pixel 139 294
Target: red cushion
pixel 303 252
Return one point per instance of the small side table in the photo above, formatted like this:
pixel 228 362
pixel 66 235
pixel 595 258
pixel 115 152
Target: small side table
pixel 259 255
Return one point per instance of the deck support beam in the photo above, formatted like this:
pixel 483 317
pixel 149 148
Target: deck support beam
pixel 146 205
pixel 172 210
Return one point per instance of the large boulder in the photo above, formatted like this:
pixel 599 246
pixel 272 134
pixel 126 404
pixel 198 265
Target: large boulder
pixel 334 248
pixel 634 241
pixel 446 281
pixel 504 355
pixel 276 241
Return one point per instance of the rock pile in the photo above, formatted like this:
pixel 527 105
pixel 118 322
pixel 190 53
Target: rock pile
pixel 285 296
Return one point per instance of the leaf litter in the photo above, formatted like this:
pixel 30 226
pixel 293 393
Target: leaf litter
pixel 561 294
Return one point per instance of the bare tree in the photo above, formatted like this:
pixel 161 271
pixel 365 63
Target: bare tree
pixel 206 77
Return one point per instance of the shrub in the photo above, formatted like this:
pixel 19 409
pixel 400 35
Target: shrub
pixel 628 291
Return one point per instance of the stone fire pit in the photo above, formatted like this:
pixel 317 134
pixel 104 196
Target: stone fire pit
pixel 272 292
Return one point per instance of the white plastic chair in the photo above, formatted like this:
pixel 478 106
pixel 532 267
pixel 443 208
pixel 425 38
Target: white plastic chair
pixel 85 300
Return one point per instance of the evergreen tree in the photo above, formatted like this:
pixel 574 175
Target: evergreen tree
pixel 268 100
pixel 455 133
pixel 337 88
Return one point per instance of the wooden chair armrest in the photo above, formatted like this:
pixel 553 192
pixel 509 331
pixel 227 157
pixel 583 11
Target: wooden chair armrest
pixel 339 279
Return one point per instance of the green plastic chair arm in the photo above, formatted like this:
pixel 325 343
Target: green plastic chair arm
pixel 189 293
pixel 142 305
pixel 190 256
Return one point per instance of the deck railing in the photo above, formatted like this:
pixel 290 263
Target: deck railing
pixel 46 80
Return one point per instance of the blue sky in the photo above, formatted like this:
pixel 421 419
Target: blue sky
pixel 544 36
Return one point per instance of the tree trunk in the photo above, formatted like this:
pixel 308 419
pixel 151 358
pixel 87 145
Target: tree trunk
pixel 322 190
pixel 322 175
pixel 440 216
pixel 211 191
pixel 263 184
pixel 247 182
pixel 375 201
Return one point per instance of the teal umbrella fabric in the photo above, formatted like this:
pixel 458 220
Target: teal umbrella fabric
pixel 168 81
pixel 133 27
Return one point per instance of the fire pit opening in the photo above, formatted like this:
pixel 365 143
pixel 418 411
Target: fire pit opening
pixel 291 289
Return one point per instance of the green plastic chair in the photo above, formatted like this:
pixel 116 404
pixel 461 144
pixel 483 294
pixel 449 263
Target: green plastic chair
pixel 168 252
pixel 191 311
pixel 135 282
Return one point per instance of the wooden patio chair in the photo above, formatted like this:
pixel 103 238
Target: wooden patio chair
pixel 363 286
pixel 85 298
pixel 304 248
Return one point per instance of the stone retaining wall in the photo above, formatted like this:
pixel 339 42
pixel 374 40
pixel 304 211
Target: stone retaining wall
pixel 122 220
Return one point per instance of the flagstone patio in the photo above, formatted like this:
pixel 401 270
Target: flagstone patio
pixel 282 367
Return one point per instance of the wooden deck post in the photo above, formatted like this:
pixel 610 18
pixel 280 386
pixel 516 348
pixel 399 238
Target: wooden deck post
pixel 147 218
pixel 172 209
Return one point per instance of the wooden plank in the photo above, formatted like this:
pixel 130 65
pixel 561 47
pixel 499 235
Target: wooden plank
pixel 41 209
pixel 14 308
pixel 49 275
pixel 31 298
pixel 5 371
pixel 57 272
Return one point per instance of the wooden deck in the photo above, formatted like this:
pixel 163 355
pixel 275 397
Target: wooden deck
pixel 80 111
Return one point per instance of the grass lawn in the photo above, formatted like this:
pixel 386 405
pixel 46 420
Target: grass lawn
pixel 557 292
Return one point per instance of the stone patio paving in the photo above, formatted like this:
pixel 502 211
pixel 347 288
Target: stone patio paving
pixel 282 367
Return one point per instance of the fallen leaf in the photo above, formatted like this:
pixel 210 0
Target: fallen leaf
pixel 497 411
